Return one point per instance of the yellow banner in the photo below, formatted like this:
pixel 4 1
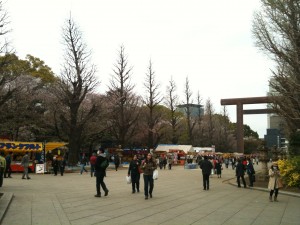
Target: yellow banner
pixel 21 146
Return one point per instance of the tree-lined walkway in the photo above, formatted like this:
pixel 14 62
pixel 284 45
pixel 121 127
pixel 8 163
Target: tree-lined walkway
pixel 178 198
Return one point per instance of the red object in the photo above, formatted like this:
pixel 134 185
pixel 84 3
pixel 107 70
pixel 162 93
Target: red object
pixel 17 167
pixel 93 159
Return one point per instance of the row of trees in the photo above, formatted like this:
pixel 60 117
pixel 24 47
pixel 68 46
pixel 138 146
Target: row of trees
pixel 37 105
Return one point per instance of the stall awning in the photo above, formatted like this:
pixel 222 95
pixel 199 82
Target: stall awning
pixel 53 145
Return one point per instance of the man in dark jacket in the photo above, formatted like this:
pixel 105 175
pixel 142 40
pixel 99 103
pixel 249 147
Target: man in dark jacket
pixel 240 172
pixel 7 172
pixel 100 173
pixel 117 161
pixel 206 167
pixel 55 165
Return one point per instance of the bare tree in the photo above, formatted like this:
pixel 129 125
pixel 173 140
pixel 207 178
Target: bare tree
pixel 6 91
pixel 209 111
pixel 77 80
pixel 225 133
pixel 188 101
pixel 152 100
pixel 172 102
pixel 4 43
pixel 276 29
pixel 200 115
pixel 124 105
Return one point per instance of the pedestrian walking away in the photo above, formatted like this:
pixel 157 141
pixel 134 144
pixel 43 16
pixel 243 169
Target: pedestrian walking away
pixel 148 166
pixel 25 164
pixel 219 168
pixel 83 162
pixel 170 161
pixel 117 161
pixel 7 172
pixel 251 172
pixel 2 167
pixel 274 182
pixel 206 167
pixel 100 172
pixel 240 172
pixel 62 166
pixel 134 173
pixel 55 165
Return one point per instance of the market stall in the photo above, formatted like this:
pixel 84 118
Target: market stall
pixel 36 152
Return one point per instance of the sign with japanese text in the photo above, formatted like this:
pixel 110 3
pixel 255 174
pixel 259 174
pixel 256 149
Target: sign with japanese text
pixel 21 146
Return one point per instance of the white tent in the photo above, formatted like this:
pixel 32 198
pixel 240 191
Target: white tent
pixel 167 147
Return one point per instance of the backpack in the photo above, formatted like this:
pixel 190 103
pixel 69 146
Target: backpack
pixel 104 164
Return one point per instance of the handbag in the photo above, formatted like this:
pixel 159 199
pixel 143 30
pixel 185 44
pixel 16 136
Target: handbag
pixel 128 179
pixel 279 182
pixel 155 174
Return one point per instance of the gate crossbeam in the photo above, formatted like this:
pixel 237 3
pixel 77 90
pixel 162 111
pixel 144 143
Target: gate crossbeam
pixel 239 102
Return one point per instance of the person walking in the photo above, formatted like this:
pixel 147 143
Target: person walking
pixel 93 159
pixel 226 161
pixel 25 164
pixel 83 162
pixel 170 161
pixel 206 167
pixel 165 162
pixel 251 172
pixel 62 166
pixel 117 161
pixel 134 173
pixel 240 172
pixel 161 162
pixel 55 165
pixel 219 168
pixel 2 167
pixel 7 172
pixel 148 165
pixel 274 184
pixel 100 172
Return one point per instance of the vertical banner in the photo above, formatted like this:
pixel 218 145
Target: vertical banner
pixel 43 157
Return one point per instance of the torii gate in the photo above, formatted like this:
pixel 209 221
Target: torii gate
pixel 239 102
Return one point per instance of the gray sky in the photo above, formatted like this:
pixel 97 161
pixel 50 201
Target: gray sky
pixel 208 41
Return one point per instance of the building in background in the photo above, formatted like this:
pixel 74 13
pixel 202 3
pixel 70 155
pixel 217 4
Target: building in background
pixel 195 109
pixel 276 128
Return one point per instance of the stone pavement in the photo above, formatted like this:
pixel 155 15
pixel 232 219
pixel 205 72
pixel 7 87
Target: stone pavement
pixel 178 198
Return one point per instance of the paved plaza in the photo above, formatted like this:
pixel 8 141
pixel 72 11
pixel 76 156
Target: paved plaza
pixel 178 198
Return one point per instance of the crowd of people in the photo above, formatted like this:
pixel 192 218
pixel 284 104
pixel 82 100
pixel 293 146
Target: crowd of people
pixel 145 166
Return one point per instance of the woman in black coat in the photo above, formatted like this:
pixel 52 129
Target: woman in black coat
pixel 219 168
pixel 134 172
pixel 62 165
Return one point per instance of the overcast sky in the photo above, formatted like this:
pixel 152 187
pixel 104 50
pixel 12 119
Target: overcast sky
pixel 210 42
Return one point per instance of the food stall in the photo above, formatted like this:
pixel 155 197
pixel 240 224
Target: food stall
pixel 36 152
pixel 179 156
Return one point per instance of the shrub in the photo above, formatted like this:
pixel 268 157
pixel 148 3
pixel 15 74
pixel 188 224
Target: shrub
pixel 290 171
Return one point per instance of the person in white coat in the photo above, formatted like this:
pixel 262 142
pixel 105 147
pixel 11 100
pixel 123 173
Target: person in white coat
pixel 274 185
